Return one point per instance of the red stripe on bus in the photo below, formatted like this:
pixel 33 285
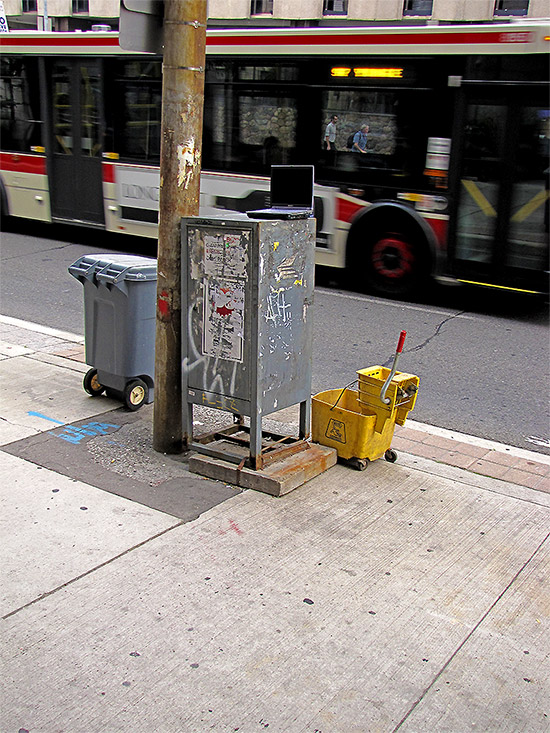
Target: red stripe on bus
pixel 394 39
pixel 79 41
pixel 21 163
pixel 108 173
pixel 82 40
pixel 346 210
pixel 439 228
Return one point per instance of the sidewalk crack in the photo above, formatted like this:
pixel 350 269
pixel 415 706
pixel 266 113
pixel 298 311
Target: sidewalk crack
pixel 93 570
pixel 469 636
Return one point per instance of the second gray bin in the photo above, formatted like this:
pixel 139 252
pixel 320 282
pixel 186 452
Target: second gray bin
pixel 119 325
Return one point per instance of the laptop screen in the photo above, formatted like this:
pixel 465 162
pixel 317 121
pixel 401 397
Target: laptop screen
pixel 292 185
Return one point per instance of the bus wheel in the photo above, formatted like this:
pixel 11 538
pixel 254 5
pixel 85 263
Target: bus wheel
pixel 394 264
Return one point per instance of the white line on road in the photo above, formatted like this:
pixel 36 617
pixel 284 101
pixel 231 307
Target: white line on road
pixel 393 304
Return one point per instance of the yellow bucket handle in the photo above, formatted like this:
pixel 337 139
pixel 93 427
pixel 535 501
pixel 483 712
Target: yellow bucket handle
pixel 342 392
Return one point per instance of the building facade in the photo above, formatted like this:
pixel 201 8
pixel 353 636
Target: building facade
pixel 67 15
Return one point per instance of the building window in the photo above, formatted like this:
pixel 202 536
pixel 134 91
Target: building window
pixel 29 6
pixel 261 7
pixel 335 7
pixel 81 6
pixel 417 7
pixel 511 7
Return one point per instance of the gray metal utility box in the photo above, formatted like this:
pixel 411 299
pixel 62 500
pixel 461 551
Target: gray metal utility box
pixel 246 318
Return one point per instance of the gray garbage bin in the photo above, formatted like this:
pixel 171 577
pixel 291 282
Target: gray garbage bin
pixel 119 325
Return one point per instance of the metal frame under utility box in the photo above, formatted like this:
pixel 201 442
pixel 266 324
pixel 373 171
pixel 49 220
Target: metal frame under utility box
pixel 247 328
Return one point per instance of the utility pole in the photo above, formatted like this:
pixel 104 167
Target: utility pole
pixel 180 166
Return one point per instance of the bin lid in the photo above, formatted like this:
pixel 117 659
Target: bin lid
pixel 113 268
pixel 128 267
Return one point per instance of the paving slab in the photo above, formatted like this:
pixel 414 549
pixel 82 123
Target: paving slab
pixel 113 451
pixel 35 394
pixel 508 651
pixel 338 607
pixel 55 529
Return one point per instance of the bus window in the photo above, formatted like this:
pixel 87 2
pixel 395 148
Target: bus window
pixel 133 118
pixel 528 237
pixel 267 128
pixel 480 182
pixel 90 102
pixel 21 126
pixel 394 141
pixel 248 132
pixel 62 108
pixel 262 72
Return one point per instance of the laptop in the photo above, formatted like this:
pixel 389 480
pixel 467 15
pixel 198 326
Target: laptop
pixel 291 193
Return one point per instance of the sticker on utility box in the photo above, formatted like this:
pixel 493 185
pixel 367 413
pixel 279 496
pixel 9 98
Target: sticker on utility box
pixel 226 254
pixel 223 319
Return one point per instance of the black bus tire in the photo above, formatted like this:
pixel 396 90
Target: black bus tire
pixel 389 261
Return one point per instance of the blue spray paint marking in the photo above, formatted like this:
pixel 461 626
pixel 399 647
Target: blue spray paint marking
pixel 73 434
pixel 45 417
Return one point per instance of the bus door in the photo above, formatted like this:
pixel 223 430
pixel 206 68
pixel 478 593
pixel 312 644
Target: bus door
pixel 75 174
pixel 501 222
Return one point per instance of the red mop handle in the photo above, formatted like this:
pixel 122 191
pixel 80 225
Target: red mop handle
pixel 401 342
pixel 386 400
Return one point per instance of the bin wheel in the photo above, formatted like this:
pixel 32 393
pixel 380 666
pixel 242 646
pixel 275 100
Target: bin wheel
pixel 135 394
pixel 359 464
pixel 92 384
pixel 390 455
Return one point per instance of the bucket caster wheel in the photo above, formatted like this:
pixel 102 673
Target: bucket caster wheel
pixel 359 464
pixel 390 455
pixel 135 394
pixel 92 384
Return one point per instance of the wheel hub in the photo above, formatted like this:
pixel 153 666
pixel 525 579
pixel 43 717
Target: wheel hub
pixel 95 383
pixel 392 258
pixel 137 395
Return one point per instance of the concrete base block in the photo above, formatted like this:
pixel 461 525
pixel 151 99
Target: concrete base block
pixel 276 479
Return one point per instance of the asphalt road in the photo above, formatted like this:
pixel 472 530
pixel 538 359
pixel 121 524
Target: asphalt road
pixel 482 357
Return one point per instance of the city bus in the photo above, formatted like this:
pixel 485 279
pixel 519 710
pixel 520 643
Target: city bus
pixel 452 182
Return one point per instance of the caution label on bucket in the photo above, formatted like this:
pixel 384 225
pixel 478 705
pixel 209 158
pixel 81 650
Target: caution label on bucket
pixel 336 430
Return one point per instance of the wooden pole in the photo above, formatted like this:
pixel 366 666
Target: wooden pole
pixel 180 167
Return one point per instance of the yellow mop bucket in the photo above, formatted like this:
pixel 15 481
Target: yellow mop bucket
pixel 360 424
pixel 400 394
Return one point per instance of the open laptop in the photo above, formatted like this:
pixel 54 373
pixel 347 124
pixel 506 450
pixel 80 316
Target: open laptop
pixel 291 193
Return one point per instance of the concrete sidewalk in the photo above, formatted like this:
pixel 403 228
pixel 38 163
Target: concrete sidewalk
pixel 139 597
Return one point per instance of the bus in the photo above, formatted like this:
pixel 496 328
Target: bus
pixel 452 184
